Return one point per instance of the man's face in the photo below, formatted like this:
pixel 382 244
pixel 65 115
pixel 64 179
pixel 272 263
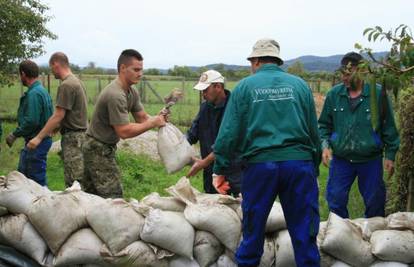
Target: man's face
pixel 349 76
pixel 132 71
pixel 254 64
pixel 212 92
pixel 55 67
pixel 23 78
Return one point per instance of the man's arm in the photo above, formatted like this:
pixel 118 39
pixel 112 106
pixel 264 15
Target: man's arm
pixel 53 123
pixel 325 130
pixel 133 129
pixel 200 164
pixel 140 116
pixel 314 132
pixel 192 133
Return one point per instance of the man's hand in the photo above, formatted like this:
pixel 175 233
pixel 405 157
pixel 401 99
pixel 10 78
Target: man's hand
pixel 198 164
pixel 326 156
pixel 220 184
pixel 389 167
pixel 33 143
pixel 10 139
pixel 157 121
pixel 166 113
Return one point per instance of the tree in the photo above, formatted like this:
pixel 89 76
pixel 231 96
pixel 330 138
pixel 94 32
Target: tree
pixel 22 29
pixel 297 68
pixel 152 71
pixel 395 72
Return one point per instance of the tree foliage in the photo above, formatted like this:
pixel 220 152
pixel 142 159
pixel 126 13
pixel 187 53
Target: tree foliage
pixel 395 72
pixel 22 30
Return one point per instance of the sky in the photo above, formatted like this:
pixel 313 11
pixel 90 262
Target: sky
pixel 197 33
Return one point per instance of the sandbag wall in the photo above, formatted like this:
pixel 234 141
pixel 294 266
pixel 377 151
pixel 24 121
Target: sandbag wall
pixel 73 228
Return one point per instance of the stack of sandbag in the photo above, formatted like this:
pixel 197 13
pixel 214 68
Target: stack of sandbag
pixel 174 149
pixel 187 228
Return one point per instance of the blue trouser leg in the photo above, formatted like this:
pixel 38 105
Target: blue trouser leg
pixel 32 163
pixel 371 186
pixel 341 176
pixel 260 185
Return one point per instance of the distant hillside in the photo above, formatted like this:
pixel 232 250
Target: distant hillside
pixel 310 63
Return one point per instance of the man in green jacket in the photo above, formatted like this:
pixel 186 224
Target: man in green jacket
pixel 34 110
pixel 270 121
pixel 348 133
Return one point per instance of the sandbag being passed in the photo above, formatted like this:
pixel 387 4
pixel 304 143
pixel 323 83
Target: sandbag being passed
pixel 174 149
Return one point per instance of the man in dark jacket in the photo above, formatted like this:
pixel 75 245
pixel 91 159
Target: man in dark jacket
pixel 205 128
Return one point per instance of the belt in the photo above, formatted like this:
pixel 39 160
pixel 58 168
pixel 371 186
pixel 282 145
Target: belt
pixel 68 130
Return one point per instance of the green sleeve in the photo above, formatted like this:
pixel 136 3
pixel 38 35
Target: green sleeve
pixel 227 140
pixel 326 122
pixel 31 119
pixel 1 130
pixel 314 133
pixel 390 134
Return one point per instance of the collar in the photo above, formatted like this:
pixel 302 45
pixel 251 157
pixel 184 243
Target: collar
pixel 35 84
pixel 364 92
pixel 269 66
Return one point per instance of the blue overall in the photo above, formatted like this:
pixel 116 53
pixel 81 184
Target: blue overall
pixel 295 183
pixel 32 163
pixel 342 174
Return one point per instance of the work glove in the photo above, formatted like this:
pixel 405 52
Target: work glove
pixel 220 184
pixel 10 139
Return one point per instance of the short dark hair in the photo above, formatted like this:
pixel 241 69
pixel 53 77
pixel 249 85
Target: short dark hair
pixel 127 55
pixel 273 60
pixel 59 57
pixel 29 68
pixel 351 57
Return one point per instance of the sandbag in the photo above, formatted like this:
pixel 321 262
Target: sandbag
pixel 56 217
pixel 285 256
pixel 174 149
pixel 17 192
pixel 217 219
pixel 343 240
pixel 225 261
pixel 180 261
pixel 83 247
pixel 9 257
pixel 276 220
pixel 207 248
pixel 155 201
pixel 370 225
pixel 169 230
pixel 340 264
pixel 137 254
pixel 388 264
pixel 183 191
pixel 401 221
pixel 116 223
pixel 269 252
pixel 17 232
pixel 393 245
pixel 326 259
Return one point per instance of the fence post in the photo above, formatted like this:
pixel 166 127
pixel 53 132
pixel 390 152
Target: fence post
pixel 318 85
pixel 48 83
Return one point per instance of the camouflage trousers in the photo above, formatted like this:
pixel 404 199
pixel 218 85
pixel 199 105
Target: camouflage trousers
pixel 102 176
pixel 71 144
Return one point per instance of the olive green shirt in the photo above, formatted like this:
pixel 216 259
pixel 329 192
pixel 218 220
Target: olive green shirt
pixel 112 108
pixel 71 96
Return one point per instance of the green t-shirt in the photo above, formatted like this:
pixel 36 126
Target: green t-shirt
pixel 112 108
pixel 71 96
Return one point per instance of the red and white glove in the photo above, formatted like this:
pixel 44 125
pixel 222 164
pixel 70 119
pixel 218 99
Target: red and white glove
pixel 220 184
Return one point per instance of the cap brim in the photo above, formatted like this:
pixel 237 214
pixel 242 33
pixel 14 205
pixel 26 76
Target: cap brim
pixel 201 86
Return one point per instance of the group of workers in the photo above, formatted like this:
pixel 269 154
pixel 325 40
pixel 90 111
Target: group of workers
pixel 261 140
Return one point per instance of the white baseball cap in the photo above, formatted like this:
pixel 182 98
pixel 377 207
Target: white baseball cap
pixel 266 48
pixel 207 78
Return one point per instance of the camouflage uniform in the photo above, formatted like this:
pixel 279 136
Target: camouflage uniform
pixel 104 177
pixel 72 156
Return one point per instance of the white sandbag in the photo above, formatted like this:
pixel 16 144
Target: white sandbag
pixel 83 247
pixel 137 254
pixel 17 192
pixel 116 223
pixel 370 225
pixel 180 261
pixel 183 191
pixel 169 230
pixel 326 259
pixel 343 240
pixel 393 245
pixel 56 217
pixel 225 261
pixel 401 221
pixel 17 232
pixel 285 256
pixel 269 252
pixel 217 219
pixel 340 264
pixel 3 211
pixel 228 200
pixel 174 149
pixel 388 264
pixel 207 248
pixel 276 220
pixel 155 201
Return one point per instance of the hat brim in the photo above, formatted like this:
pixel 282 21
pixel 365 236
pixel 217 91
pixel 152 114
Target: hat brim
pixel 255 55
pixel 201 86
